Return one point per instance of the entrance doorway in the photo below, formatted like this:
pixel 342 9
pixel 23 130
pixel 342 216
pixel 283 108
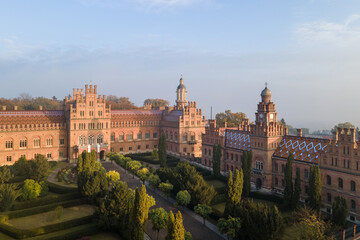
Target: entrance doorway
pixel 258 184
pixel 102 155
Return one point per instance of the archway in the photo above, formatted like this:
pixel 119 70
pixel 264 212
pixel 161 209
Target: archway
pixel 258 184
pixel 102 155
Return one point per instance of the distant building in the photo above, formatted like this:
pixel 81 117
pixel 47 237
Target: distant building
pixel 338 157
pixel 88 123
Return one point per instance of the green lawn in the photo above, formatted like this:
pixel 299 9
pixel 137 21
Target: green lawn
pixel 48 218
pixel 216 183
pixel 105 236
pixel 219 207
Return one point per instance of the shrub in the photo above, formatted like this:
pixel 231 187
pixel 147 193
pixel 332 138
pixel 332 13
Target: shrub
pixel 112 176
pixel 4 219
pixel 30 190
pixel 55 188
pixel 155 155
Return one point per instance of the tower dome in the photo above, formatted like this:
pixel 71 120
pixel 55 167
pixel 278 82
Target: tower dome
pixel 181 85
pixel 266 94
pixel 181 94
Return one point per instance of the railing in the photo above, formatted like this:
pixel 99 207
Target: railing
pixel 192 142
pixel 257 171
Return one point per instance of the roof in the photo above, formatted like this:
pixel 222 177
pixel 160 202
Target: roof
pixel 237 139
pixel 303 148
pixel 136 112
pixel 31 117
pixel 266 92
pixel 173 116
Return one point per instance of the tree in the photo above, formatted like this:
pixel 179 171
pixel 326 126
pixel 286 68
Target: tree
pixel 120 103
pixel 229 194
pixel 162 150
pixel 315 187
pixel 246 165
pixel 176 229
pixel 143 174
pixel 156 103
pixel 155 155
pixel 289 190
pixel 339 211
pixel 5 174
pixel 159 219
pixel 112 176
pixel 171 227
pixel 30 190
pixel 203 210
pixel 312 227
pixel 21 166
pixel 216 159
pixel 154 181
pixel 95 184
pixel 234 192
pixel 230 226
pixel 297 191
pixel 39 168
pixel 183 198
pixel 166 188
pixel 342 125
pixel 134 166
pixel 8 195
pixel 232 119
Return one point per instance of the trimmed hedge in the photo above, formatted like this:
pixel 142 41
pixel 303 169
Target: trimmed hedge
pixel 144 157
pixel 267 197
pixel 45 200
pixel 26 233
pixel 55 188
pixel 44 208
pixel 219 198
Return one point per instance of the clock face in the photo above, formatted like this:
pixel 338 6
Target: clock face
pixel 272 116
pixel 261 116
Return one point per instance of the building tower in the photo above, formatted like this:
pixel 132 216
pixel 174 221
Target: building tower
pixel 181 94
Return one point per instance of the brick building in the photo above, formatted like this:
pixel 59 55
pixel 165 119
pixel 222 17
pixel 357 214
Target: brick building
pixel 338 158
pixel 88 123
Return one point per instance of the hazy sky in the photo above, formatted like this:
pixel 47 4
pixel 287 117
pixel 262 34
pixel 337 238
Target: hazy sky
pixel 307 50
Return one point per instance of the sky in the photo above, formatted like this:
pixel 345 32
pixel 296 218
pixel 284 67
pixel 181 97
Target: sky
pixel 308 51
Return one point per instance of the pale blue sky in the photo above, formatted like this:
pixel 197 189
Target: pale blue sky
pixel 307 50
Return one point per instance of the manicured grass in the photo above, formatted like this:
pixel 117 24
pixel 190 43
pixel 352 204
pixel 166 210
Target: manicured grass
pixel 216 183
pixel 47 218
pixel 219 207
pixel 5 237
pixel 291 232
pixel 105 236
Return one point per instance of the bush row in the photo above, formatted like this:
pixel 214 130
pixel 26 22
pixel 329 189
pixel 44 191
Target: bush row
pixel 46 200
pixel 55 188
pixel 26 233
pixel 268 197
pixel 44 208
pixel 146 157
pixel 219 198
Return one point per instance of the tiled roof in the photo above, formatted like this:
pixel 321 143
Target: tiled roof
pixel 136 112
pixel 173 116
pixel 31 113
pixel 303 148
pixel 31 117
pixel 237 139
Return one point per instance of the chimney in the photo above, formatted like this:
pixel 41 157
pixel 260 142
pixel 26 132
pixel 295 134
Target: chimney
pixel 352 131
pixel 40 108
pixel 4 108
pixel 299 132
pixel 15 108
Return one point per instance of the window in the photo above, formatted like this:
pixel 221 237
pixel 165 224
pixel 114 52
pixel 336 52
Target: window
pixel 49 142
pixel 155 146
pixel 147 136
pixel 23 143
pixel 99 139
pixel 340 183
pixel 184 150
pixel 130 148
pixel 199 137
pixel 49 155
pixel 139 147
pixel 82 113
pixel 74 125
pixel 307 189
pixel 112 138
pixel 328 180
pixel 61 141
pixel 329 197
pixel 276 182
pixel 352 186
pixel 100 113
pixel 306 174
pixel 332 161
pixel 259 165
pixel 37 142
pixel 336 162
pixel 282 183
pixel 9 144
pixel 8 158
pixel 82 140
pixel 282 168
pixel 91 140
pixel 121 137
pixel 276 167
pixel 130 137
pixel 61 154
pixel 155 135
pixel 184 138
pixel 147 146
pixel 121 149
pixel 353 205
pixel 139 136
pixel 344 163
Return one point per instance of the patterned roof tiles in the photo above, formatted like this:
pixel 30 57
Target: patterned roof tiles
pixel 237 139
pixel 136 112
pixel 31 113
pixel 303 148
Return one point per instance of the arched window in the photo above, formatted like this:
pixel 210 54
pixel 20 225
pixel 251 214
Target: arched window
pixel 352 186
pixel 276 182
pixel 329 197
pixel 99 139
pixel 91 140
pixel 184 137
pixel 328 180
pixel 353 205
pixel 340 183
pixel 82 140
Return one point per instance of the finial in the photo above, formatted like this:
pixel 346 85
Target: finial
pixel 266 84
pixel 90 81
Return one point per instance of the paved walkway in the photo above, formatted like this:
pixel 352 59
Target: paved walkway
pixel 52 176
pixel 192 222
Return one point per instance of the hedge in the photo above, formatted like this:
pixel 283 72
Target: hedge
pixel 44 208
pixel 219 198
pixel 26 233
pixel 267 197
pixel 71 233
pixel 55 188
pixel 45 200
pixel 144 157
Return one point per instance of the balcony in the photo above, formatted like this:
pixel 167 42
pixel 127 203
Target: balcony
pixel 192 142
pixel 96 147
pixel 257 171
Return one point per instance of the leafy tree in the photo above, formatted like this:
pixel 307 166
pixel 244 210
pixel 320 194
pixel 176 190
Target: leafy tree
pixel 246 165
pixel 155 103
pixel 154 181
pixel 289 190
pixel 176 229
pixel 315 187
pixel 44 188
pixel 339 211
pixel 297 191
pixel 134 166
pixel 159 219
pixel 39 168
pixel 8 195
pixel 171 227
pixel 120 103
pixel 230 226
pixel 229 195
pixel 112 176
pixel 187 235
pixel 232 119
pixel 143 174
pixel 312 227
pixel 30 190
pixel 203 210
pixel 5 174
pixel 342 125
pixel 162 150
pixel 95 184
pixel 216 159
pixel 26 102
pixel 183 198
pixel 155 155
pixel 166 188
pixel 21 167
